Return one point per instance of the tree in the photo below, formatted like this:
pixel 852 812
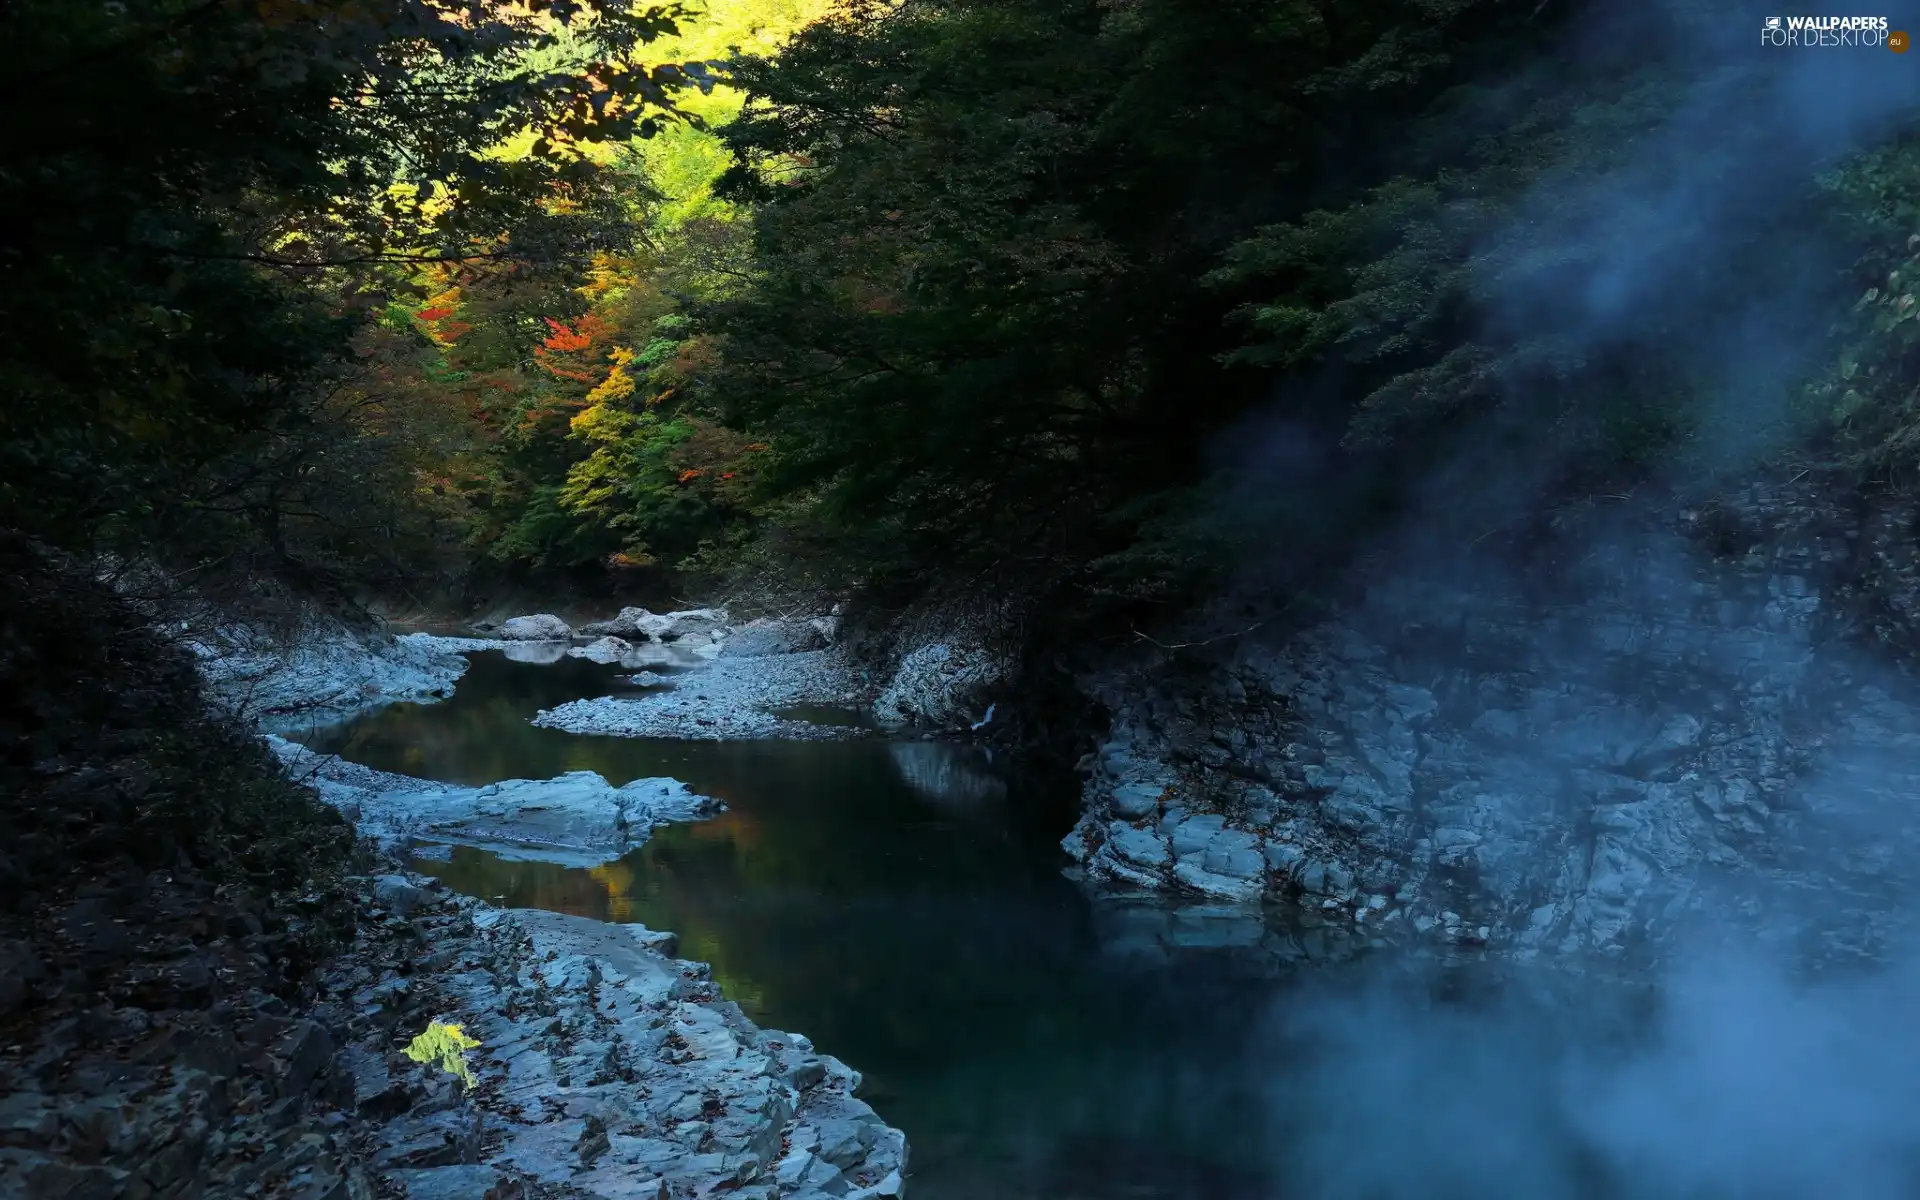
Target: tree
pixel 979 329
pixel 203 199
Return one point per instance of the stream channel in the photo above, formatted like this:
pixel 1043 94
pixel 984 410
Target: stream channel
pixel 901 906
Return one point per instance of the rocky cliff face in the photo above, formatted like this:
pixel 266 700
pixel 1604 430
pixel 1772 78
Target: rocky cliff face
pixel 1691 718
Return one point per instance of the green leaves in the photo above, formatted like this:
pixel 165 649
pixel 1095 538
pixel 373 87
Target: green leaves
pixel 206 200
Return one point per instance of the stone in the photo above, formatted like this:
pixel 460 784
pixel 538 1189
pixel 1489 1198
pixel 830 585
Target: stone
pixel 307 1050
pixel 326 665
pixel 1137 845
pixel 574 819
pixel 1283 856
pixel 398 893
pixel 469 1181
pixel 1132 800
pixel 1235 853
pixel 625 626
pixel 606 650
pixel 844 1143
pixel 940 685
pixel 1194 834
pixel 676 626
pixel 1195 876
pixel 541 627
pixel 769 636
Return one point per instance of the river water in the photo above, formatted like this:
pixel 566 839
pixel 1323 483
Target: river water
pixel 899 905
pixel 905 909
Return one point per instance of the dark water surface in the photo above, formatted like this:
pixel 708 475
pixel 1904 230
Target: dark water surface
pixel 898 905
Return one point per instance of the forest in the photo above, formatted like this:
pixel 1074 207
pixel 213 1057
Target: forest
pixel 381 296
pixel 1165 504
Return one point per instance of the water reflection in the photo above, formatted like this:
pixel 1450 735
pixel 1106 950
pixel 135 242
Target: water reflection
pixel 897 904
pixel 948 776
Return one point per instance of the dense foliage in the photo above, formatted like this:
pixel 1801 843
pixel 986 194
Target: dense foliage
pixel 1083 294
pixel 203 197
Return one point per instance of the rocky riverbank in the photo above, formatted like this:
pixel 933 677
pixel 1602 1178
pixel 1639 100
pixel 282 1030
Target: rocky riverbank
pixel 576 819
pixel 733 698
pixel 603 1066
pixel 218 986
pixel 1695 723
pixel 322 665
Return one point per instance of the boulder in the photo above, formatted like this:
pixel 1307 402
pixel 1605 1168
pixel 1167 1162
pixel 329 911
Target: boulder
pixel 1136 799
pixel 1137 846
pixel 625 625
pixel 673 626
pixel 768 636
pixel 541 627
pixel 940 684
pixel 577 818
pixel 606 650
pixel 647 679
pixel 641 625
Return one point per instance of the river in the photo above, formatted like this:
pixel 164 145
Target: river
pixel 900 905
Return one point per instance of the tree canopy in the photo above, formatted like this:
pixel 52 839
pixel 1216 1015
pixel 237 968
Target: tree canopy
pixel 935 288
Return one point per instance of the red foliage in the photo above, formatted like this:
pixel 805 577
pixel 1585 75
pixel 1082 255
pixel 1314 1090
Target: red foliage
pixel 564 340
pixel 589 338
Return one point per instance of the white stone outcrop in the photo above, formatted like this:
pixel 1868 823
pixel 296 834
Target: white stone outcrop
pixel 540 627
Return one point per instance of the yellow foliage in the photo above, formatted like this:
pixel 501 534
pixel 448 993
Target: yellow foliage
pixel 618 385
pixel 445 1046
pixel 601 424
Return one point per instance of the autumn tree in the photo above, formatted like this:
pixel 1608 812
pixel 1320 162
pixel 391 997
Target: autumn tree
pixel 205 198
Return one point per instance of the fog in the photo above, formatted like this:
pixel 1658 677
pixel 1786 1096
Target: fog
pixel 1747 1067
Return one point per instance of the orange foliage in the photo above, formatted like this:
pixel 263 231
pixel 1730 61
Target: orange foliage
pixel 564 340
pixel 589 334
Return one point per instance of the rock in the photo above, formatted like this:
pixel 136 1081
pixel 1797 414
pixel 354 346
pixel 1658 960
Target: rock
pixel 638 624
pixel 306 1050
pixel 1192 835
pixel 457 1182
pixel 844 1143
pixel 1131 800
pixel 940 685
pixel 576 819
pixel 1137 846
pixel 541 627
pixel 398 893
pixel 606 650
pixel 731 699
pixel 625 626
pixel 1080 842
pixel 1283 856
pixel 1587 745
pixel 768 636
pixel 1194 875
pixel 648 679
pixel 1235 853
pixel 674 626
pixel 323 665
pixel 725 1107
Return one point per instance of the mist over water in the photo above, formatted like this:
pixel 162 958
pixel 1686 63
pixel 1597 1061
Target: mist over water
pixel 1744 1068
